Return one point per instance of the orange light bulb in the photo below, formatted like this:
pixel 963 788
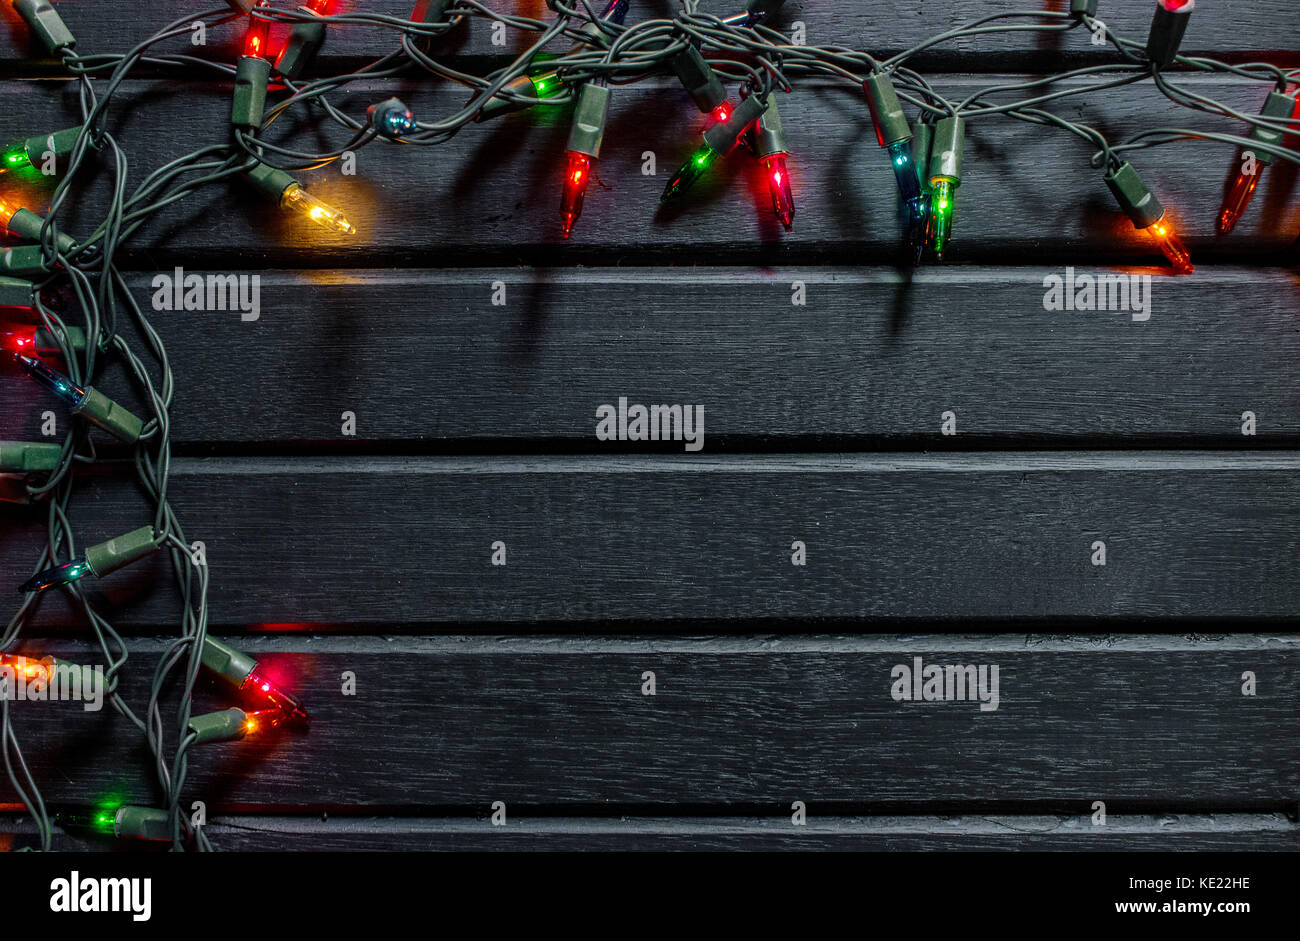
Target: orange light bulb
pixel 1173 247
pixel 7 210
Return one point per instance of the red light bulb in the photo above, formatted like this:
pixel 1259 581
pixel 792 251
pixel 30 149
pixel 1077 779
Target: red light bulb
pixel 256 682
pixel 1239 195
pixel 576 176
pixel 17 339
pixel 778 185
pixel 722 112
pixel 258 37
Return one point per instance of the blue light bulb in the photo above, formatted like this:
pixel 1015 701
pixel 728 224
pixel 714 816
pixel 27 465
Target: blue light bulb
pixel 64 574
pixel 900 158
pixel 398 123
pixel 391 118
pixel 56 382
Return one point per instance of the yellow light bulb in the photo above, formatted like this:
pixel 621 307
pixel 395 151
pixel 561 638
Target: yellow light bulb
pixel 299 200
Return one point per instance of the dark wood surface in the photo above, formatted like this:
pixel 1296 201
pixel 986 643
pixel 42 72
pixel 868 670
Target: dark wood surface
pixel 370 553
pixel 753 721
pixel 979 536
pixel 869 360
pixel 1215 833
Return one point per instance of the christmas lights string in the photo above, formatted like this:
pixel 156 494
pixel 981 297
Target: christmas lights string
pixel 707 53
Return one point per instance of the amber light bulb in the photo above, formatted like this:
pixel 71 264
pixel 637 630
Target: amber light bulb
pixel 1172 246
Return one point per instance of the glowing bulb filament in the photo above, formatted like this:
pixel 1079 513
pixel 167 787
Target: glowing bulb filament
pixel 941 218
pixel 1173 247
pixel 1239 196
pixel 299 200
pixel 778 187
pixel 575 191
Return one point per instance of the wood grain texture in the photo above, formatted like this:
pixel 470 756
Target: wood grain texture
pixel 676 539
pixel 1172 832
pixel 885 27
pixel 490 195
pixel 425 360
pixel 1146 724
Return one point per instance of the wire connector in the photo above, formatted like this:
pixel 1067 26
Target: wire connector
pixel 26 225
pixel 1134 197
pixel 120 551
pixel 768 135
pixel 1277 107
pixel 142 823
pixel 119 422
pixel 946 150
pixel 249 99
pixel 305 40
pixel 228 725
pixel 723 137
pixel 45 22
pixel 29 457
pixel 16 292
pixel 1167 30
pixel 887 115
pixel 588 129
pixel 227 662
pixel 1083 7
pixel 24 261
pixel 698 78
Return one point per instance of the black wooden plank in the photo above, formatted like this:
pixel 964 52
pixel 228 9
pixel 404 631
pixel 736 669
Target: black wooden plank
pixel 1135 833
pixel 1146 724
pixel 662 538
pixel 887 26
pixel 490 195
pixel 425 357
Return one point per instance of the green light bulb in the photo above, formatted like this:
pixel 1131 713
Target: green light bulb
pixel 544 85
pixel 694 168
pixel 941 217
pixel 15 158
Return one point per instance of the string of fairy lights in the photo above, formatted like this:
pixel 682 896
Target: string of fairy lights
pixel 733 67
